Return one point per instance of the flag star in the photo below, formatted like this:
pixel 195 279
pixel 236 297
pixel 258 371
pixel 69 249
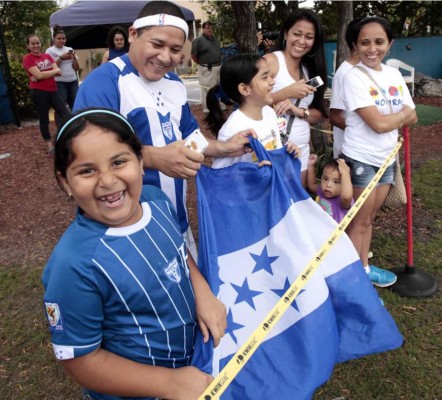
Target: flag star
pixel 280 293
pixel 232 326
pixel 263 261
pixel 245 294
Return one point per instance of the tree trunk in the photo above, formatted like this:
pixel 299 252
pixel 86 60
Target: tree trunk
pixel 281 10
pixel 245 26
pixel 345 17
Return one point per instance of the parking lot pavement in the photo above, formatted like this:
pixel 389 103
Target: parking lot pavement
pixel 193 90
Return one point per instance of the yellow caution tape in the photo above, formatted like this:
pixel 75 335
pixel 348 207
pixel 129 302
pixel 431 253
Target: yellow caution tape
pixel 243 355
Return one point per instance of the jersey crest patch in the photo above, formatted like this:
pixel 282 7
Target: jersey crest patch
pixel 167 127
pixel 173 271
pixel 53 315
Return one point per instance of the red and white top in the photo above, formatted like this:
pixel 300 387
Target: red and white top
pixel 44 63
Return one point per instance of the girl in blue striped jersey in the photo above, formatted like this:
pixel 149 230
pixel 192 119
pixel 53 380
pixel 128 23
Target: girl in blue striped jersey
pixel 122 295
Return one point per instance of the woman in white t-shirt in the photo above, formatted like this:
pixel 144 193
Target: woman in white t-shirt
pixel 66 60
pixel 246 80
pixel 378 104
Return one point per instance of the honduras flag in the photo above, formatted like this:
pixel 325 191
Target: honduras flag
pixel 258 229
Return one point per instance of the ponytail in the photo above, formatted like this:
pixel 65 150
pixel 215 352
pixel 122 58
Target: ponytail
pixel 216 118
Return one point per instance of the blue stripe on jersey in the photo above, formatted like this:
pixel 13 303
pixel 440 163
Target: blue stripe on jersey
pixel 158 111
pixel 158 297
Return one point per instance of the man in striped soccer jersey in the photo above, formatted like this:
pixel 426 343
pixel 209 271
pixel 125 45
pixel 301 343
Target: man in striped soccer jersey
pixel 140 85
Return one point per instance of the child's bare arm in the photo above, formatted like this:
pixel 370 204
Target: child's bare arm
pixel 312 182
pixel 210 312
pixel 106 372
pixel 346 186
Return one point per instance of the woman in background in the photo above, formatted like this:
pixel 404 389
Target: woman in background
pixel 42 69
pixel 117 42
pixel 66 60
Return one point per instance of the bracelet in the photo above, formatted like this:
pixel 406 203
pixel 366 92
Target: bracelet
pixel 402 122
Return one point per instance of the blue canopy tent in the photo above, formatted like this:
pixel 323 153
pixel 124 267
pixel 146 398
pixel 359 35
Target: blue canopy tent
pixel 86 23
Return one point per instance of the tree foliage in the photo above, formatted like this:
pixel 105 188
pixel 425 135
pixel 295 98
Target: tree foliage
pixel 21 18
pixel 421 17
pixel 236 22
pixel 18 20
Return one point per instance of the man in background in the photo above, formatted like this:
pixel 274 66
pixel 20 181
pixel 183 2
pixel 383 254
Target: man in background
pixel 206 52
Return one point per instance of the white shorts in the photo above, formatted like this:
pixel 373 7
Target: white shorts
pixel 303 157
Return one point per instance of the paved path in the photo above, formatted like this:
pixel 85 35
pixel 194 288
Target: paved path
pixel 193 89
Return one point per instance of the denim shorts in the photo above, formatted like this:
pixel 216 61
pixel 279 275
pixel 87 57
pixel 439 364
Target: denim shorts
pixel 361 173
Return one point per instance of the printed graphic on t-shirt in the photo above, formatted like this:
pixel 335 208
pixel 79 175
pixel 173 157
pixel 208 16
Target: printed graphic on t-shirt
pixel 44 65
pixel 269 142
pixel 381 99
pixel 325 205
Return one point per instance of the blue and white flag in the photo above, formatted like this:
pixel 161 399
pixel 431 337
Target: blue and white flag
pixel 258 229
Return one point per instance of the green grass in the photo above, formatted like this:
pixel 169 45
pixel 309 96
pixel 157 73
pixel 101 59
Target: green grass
pixel 28 369
pixel 428 115
pixel 27 365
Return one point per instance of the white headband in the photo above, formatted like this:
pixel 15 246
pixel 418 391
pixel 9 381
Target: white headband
pixel 162 20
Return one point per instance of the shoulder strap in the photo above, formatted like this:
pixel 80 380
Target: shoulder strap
pixel 289 124
pixel 380 89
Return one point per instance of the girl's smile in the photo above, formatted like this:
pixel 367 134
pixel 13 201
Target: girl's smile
pixel 106 184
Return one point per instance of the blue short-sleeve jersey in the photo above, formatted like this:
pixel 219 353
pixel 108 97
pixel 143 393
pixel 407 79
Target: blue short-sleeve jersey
pixel 158 111
pixel 125 289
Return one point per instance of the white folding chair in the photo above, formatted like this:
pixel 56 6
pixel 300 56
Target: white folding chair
pixel 400 65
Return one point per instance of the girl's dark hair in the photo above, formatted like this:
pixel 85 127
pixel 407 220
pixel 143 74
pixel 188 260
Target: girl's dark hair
pixel 64 154
pixel 314 60
pixel 378 20
pixel 57 29
pixel 237 69
pixel 159 7
pixel 111 34
pixel 333 164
